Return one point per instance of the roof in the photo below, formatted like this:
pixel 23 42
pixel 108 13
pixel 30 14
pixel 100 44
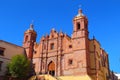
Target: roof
pixel 11 44
pixel 80 15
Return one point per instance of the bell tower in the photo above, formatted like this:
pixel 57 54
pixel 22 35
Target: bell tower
pixel 80 25
pixel 28 42
pixel 80 39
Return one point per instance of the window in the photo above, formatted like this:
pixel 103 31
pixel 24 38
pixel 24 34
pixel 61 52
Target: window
pixel 78 26
pixel 35 52
pixel 1 65
pixel 26 38
pixel 70 46
pixel 52 46
pixel 2 51
pixel 70 62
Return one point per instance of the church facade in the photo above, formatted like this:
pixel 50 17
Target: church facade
pixel 58 54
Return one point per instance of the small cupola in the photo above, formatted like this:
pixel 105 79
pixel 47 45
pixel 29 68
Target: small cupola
pixel 80 15
pixel 80 22
pixel 31 29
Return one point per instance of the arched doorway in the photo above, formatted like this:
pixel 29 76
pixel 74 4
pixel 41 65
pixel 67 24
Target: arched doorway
pixel 51 68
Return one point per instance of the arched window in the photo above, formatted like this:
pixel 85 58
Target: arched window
pixel 78 26
pixel 70 61
pixel 51 46
pixel 26 38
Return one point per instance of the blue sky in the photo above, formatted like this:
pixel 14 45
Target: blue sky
pixel 103 17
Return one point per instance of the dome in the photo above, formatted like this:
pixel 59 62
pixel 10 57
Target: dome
pixel 31 29
pixel 80 15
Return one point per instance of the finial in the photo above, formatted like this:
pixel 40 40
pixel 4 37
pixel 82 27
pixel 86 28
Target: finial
pixel 46 34
pixel 31 26
pixel 80 14
pixel 60 31
pixel 80 9
pixel 53 29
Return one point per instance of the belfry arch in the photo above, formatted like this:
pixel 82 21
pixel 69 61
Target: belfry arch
pixel 51 68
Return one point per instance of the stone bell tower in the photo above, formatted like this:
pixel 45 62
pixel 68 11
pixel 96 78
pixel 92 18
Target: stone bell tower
pixel 28 42
pixel 80 31
pixel 80 28
pixel 80 39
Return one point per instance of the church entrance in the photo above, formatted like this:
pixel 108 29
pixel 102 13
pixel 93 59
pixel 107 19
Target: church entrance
pixel 51 68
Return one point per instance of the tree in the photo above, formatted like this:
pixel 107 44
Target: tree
pixel 19 66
